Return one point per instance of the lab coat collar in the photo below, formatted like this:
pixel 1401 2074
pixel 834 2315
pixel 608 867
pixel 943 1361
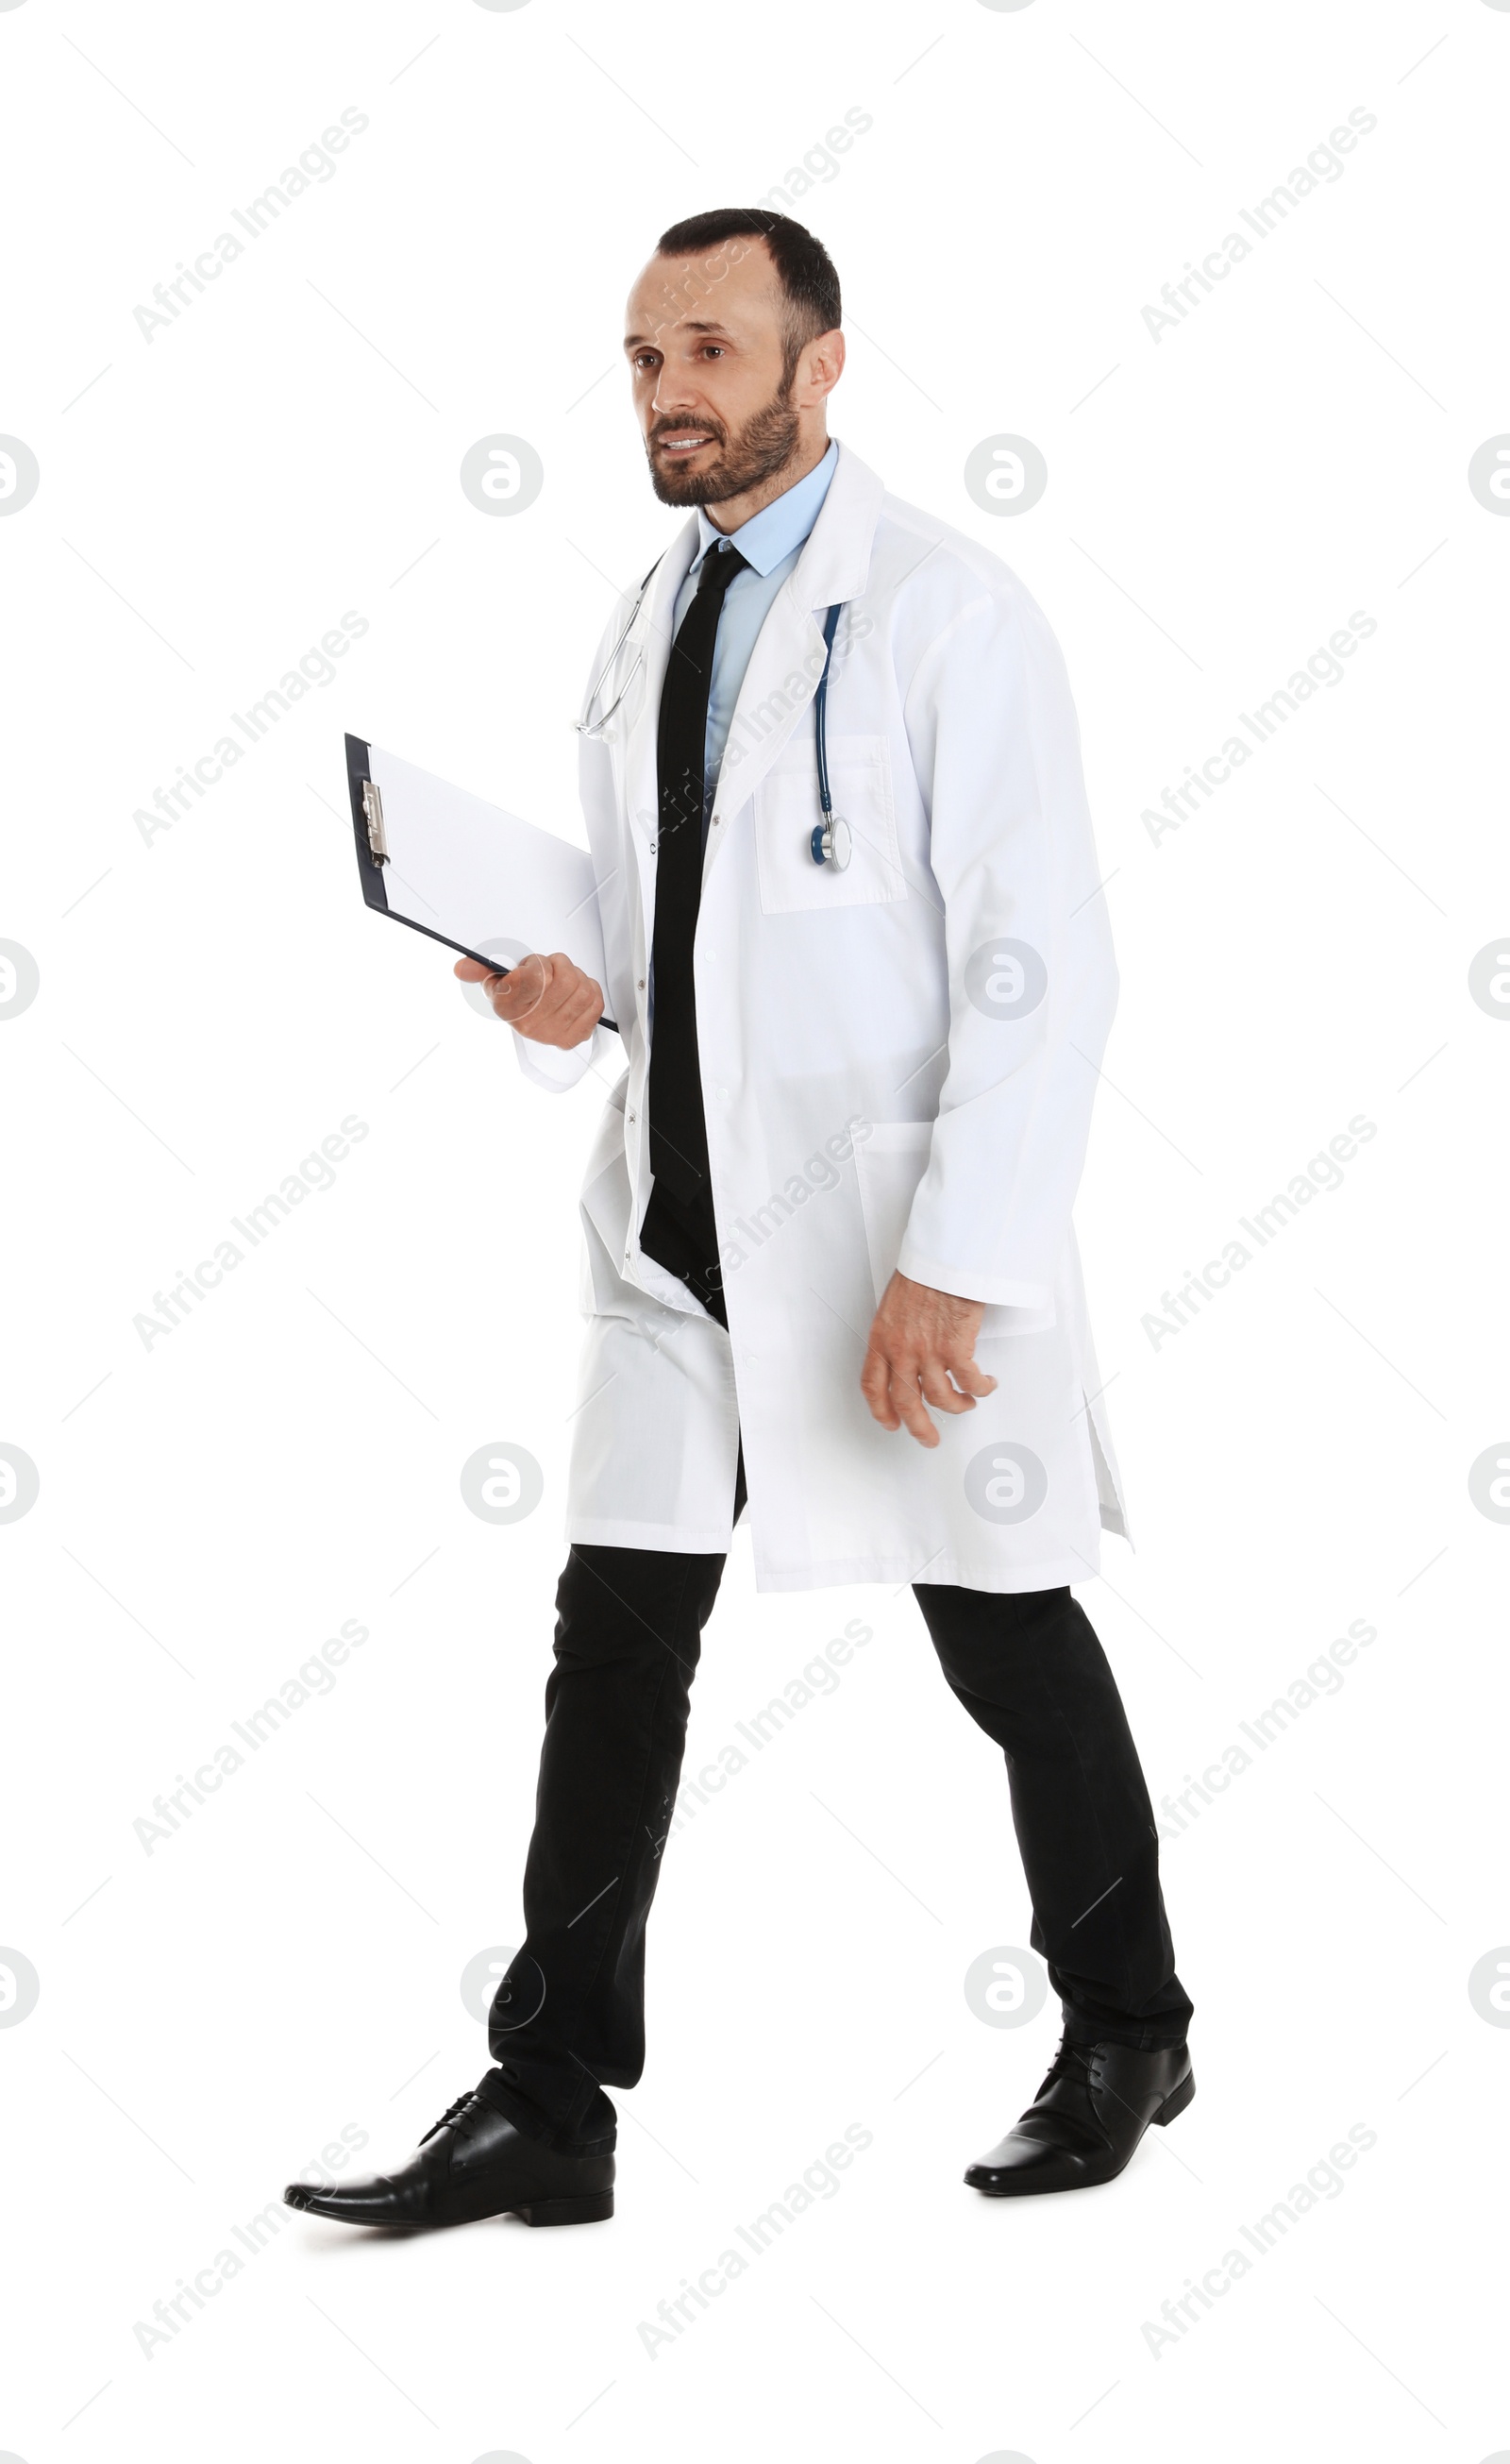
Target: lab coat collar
pixel 835 564
pixel 652 633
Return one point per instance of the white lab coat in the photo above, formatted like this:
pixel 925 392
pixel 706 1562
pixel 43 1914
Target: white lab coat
pixel 898 1066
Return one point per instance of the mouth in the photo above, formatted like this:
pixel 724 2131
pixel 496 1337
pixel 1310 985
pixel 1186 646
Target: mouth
pixel 683 442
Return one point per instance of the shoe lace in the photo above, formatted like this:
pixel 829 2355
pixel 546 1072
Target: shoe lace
pixel 450 2114
pixel 1072 2060
pixel 1079 2121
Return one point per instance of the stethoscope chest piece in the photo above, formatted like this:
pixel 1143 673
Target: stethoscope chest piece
pixel 830 842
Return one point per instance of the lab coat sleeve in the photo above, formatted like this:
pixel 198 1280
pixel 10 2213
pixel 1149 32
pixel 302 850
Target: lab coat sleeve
pixel 1032 979
pixel 546 1065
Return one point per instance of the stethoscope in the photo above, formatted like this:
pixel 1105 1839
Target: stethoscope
pixel 588 724
pixel 829 842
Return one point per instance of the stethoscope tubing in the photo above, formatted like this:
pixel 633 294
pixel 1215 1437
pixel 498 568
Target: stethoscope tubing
pixel 821 713
pixel 588 725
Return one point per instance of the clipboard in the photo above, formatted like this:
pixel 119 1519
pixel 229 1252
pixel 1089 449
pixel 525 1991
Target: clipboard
pixel 466 873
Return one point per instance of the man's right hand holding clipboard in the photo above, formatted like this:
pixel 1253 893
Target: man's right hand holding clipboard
pixel 550 1000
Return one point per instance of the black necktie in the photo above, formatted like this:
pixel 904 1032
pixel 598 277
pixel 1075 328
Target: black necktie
pixel 679 1229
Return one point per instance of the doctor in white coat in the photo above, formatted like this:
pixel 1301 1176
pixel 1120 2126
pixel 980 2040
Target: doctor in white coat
pixel 829 1274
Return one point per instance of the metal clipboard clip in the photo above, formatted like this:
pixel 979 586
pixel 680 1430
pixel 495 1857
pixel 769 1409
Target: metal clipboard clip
pixel 372 815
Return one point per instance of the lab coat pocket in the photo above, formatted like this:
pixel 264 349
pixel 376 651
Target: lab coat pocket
pixel 889 1166
pixel 787 812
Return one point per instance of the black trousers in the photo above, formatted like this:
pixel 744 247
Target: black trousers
pixel 568 2018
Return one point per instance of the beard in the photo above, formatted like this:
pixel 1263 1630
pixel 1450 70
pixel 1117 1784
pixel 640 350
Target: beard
pixel 763 447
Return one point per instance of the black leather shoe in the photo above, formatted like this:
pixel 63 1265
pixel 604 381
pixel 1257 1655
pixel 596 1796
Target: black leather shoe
pixel 1086 2119
pixel 471 2163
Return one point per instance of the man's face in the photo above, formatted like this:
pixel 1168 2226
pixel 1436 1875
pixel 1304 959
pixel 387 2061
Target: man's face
pixel 705 340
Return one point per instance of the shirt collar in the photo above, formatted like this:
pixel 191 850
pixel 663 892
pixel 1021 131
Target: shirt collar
pixel 779 528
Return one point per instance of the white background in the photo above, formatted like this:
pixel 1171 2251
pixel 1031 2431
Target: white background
pixel 214 1002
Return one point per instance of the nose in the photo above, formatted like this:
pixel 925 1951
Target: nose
pixel 675 397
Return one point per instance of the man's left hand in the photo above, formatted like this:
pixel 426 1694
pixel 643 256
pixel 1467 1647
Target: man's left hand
pixel 922 1349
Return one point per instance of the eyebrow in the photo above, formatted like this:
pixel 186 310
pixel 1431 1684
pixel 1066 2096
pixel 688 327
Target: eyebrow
pixel 686 325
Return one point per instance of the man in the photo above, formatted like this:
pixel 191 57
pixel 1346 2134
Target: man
pixel 858 1095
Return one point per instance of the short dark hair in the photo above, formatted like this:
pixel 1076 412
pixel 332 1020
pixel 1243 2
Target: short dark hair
pixel 805 269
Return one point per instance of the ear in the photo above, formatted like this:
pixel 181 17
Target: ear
pixel 820 367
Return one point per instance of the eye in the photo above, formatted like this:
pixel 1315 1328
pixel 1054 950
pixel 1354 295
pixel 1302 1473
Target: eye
pixel 713 350
pixel 641 361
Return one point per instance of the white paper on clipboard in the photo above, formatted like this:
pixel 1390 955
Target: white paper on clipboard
pixel 471 874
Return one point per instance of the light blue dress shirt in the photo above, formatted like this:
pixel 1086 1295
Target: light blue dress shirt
pixel 770 541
